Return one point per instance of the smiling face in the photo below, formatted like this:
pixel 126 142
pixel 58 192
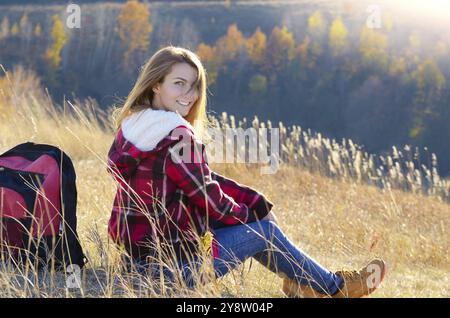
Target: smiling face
pixel 176 93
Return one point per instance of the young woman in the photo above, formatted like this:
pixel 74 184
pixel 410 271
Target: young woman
pixel 168 199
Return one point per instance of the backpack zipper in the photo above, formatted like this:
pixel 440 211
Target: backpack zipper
pixel 19 172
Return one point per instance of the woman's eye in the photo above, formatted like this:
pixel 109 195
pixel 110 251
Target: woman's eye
pixel 178 83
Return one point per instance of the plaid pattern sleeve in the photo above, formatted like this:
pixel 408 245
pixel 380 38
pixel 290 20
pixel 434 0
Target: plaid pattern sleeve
pixel 240 193
pixel 192 175
pixel 123 158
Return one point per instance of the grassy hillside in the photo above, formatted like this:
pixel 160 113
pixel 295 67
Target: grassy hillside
pixel 340 223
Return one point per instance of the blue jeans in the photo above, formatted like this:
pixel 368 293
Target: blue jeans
pixel 266 243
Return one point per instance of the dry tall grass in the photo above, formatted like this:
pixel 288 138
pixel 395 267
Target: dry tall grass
pixel 340 222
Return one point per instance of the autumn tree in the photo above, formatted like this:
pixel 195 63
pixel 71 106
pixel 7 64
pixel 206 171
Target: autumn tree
pixel 59 39
pixel 302 52
pixel 338 38
pixel 230 45
pixel 207 55
pixel 316 31
pixel 134 30
pixel 4 28
pixel 280 50
pixel 316 24
pixel 256 46
pixel 430 83
pixel 38 31
pixel 407 60
pixel 15 29
pixel 26 33
pixel 430 80
pixel 309 50
pixel 373 46
pixel 25 26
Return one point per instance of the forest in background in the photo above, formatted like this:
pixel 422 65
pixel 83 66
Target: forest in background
pixel 314 64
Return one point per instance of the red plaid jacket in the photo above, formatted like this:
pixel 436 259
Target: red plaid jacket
pixel 169 194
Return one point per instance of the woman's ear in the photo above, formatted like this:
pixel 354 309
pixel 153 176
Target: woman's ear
pixel 156 88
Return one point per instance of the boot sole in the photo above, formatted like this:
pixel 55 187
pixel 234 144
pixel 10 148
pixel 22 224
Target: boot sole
pixel 383 274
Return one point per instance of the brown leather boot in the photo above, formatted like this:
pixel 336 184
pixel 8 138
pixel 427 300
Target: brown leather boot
pixel 292 289
pixel 362 282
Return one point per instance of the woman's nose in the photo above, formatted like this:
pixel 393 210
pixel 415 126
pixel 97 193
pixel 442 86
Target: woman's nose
pixel 191 94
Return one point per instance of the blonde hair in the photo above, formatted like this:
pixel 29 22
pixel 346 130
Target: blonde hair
pixel 153 72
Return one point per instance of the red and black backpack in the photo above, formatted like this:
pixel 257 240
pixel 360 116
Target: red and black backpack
pixel 38 201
